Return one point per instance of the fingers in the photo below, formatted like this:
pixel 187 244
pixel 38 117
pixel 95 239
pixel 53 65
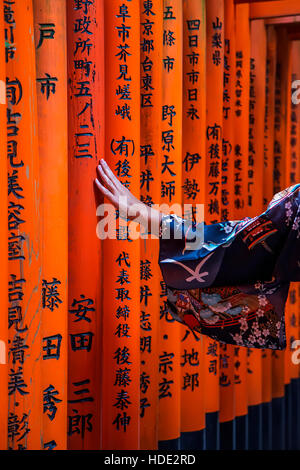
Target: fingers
pixel 105 192
pixel 106 180
pixel 110 174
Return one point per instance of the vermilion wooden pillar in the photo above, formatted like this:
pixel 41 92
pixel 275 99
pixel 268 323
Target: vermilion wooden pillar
pixel 51 61
pixel 85 33
pixel 150 156
pixel 193 184
pixel 240 202
pixel 26 350
pixel 3 247
pixel 214 133
pixel 171 144
pixel 122 289
pixel 268 168
pixel 227 358
pixel 269 115
pixel 255 204
pixel 280 113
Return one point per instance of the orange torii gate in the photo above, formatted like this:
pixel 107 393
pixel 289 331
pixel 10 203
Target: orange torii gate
pixel 151 19
pixel 85 54
pixel 26 347
pixel 3 246
pixel 214 126
pixel 171 194
pixel 241 109
pixel 51 70
pixel 227 352
pixel 122 290
pixel 193 193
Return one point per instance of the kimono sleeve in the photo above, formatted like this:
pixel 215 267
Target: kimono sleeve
pixel 230 280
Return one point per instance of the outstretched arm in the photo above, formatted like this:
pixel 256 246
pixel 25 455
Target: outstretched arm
pixel 123 200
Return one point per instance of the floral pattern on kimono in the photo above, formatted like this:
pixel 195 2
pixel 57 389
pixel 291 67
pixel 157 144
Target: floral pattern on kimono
pixel 233 284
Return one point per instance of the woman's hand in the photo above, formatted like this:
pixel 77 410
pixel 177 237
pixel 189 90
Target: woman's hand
pixel 124 201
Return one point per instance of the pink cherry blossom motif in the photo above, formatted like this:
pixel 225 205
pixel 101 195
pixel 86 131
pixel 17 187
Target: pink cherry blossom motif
pixel 238 339
pixel 252 339
pixel 255 329
pixel 261 341
pixel 244 324
pixel 245 309
pixel 265 332
pixel 260 312
pixel 262 300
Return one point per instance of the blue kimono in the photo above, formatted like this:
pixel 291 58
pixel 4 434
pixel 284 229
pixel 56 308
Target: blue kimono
pixel 230 280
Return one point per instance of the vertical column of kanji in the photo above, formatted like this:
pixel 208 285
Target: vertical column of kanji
pixel 51 70
pixel 24 248
pixel 121 285
pixel 280 110
pixel 193 168
pixel 3 246
pixel 214 135
pixel 171 145
pixel 85 33
pixel 278 184
pixel 227 359
pixel 268 188
pixel 241 112
pixel 255 204
pixel 269 116
pixel 150 153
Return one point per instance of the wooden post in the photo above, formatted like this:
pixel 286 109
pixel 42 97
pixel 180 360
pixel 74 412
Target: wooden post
pixel 227 359
pixel 193 184
pixel 150 157
pixel 214 133
pixel 51 71
pixel 85 29
pixel 241 111
pixel 255 205
pixel 279 184
pixel 3 246
pixel 171 144
pixel 26 350
pixel 121 257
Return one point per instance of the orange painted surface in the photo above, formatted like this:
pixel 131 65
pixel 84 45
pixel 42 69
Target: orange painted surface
pixel 268 168
pixel 274 8
pixel 292 170
pixel 26 351
pixel 227 358
pixel 121 258
pixel 280 114
pixel 50 20
pixel 150 157
pixel 170 333
pixel 214 121
pixel 240 202
pixel 193 185
pixel 85 33
pixel 255 172
pixel 3 247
